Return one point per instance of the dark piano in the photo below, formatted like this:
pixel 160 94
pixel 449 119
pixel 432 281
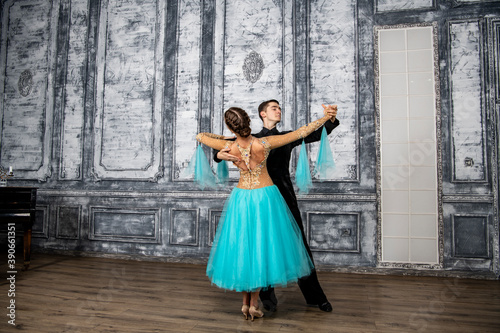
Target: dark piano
pixel 18 205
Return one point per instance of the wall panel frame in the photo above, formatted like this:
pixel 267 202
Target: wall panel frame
pixel 184 227
pixel 130 225
pixel 27 59
pixel 68 221
pixel 128 120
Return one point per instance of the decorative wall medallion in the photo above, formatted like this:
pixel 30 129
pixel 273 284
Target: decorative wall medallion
pixel 25 83
pixel 469 162
pixel 253 66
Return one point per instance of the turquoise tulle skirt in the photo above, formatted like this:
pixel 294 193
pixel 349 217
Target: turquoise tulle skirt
pixel 258 243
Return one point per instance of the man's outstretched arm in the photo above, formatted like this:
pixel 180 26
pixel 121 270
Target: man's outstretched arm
pixel 223 154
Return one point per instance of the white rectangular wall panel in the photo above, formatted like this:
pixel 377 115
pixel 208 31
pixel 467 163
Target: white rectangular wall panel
pixel 332 56
pixel 467 101
pixel 26 106
pixel 188 77
pixel 129 84
pixel 73 113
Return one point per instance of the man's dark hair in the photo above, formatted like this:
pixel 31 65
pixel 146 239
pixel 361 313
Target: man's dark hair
pixel 263 106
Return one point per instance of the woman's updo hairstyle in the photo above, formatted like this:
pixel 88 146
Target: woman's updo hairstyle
pixel 238 121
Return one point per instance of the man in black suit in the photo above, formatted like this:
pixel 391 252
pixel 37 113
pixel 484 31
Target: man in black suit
pixel 278 164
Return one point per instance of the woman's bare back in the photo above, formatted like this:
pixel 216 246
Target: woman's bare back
pixel 252 163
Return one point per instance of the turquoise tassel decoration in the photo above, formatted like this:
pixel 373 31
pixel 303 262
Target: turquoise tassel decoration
pixel 325 165
pixel 203 174
pixel 303 174
pixel 222 172
pixel 199 167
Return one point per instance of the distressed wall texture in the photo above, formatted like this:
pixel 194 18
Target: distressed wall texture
pixel 102 100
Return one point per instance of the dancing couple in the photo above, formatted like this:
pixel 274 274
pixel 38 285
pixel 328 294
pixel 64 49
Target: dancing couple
pixel 260 241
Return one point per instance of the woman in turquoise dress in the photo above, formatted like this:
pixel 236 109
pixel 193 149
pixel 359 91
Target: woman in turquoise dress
pixel 258 243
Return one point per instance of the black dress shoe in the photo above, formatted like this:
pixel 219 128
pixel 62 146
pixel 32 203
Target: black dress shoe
pixel 327 307
pixel 268 299
pixel 269 305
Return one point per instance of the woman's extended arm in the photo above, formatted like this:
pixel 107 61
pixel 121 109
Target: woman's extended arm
pixel 276 141
pixel 213 140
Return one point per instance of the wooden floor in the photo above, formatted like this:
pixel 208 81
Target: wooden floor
pixel 84 294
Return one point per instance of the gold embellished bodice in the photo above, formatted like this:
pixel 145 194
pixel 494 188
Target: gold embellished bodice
pixel 253 169
pixel 256 177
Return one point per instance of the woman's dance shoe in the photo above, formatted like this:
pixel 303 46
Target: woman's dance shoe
pixel 244 310
pixel 255 312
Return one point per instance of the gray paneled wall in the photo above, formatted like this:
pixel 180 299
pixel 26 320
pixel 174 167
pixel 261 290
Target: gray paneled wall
pixel 101 102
